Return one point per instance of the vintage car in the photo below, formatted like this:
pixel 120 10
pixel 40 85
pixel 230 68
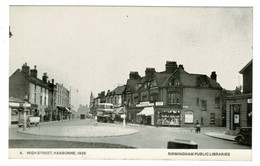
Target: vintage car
pixel 244 136
pixel 31 120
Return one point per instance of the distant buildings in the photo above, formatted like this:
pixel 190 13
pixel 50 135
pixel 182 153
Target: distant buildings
pixel 239 106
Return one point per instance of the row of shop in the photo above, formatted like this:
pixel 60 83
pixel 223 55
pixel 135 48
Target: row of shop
pixel 17 107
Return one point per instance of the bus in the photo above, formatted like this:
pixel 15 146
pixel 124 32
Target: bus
pixel 105 113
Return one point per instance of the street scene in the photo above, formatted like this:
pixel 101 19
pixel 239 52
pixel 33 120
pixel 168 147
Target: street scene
pixel 130 77
pixel 138 136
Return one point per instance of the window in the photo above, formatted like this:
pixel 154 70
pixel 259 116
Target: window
pixel 45 100
pixel 154 97
pixel 174 98
pixel 212 118
pixel 217 102
pixel 35 97
pixel 41 100
pixel 204 105
pixel 174 82
pixel 144 98
pixel 136 99
pixel 198 101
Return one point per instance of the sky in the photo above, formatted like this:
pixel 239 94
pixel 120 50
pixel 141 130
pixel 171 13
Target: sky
pixel 93 49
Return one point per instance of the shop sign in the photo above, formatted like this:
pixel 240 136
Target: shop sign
pixel 188 117
pixel 249 100
pixel 14 105
pixel 144 104
pixel 159 103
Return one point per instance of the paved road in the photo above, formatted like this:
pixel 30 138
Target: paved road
pixel 147 137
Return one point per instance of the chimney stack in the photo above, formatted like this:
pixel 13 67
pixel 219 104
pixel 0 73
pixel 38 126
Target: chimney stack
pixel 134 75
pixel 52 81
pixel 213 75
pixel 26 68
pixel 149 72
pixel 45 77
pixel 170 66
pixel 34 72
pixel 181 66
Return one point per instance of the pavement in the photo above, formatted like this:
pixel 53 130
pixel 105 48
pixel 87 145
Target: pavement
pixel 222 135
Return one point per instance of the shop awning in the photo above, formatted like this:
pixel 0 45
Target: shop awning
pixel 119 110
pixel 67 109
pixel 147 111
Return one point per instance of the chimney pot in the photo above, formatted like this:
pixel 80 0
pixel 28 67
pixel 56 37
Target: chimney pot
pixel 213 75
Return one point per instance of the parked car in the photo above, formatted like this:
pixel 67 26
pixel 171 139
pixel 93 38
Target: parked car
pixel 244 136
pixel 31 120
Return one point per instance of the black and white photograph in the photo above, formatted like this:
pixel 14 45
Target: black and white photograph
pixel 88 80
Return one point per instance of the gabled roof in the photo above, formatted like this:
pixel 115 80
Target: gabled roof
pixel 118 90
pixel 131 84
pixel 33 80
pixel 246 66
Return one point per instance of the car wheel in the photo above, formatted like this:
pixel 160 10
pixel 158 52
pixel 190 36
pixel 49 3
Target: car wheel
pixel 240 140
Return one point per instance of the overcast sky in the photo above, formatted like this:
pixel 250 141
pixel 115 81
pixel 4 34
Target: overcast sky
pixel 95 48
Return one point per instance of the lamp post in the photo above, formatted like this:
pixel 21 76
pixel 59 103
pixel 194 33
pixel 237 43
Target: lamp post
pixel 25 105
pixel 71 99
pixel 124 115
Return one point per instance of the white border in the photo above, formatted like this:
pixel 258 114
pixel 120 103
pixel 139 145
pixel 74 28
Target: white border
pixel 4 20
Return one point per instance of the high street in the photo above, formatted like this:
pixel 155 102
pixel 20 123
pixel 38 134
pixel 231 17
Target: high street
pixel 145 137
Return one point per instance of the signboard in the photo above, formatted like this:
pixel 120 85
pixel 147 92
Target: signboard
pixel 185 106
pixel 249 100
pixel 188 117
pixel 236 118
pixel 123 116
pixel 144 104
pixel 159 103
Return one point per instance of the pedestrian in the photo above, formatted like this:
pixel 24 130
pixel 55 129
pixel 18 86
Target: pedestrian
pixel 197 127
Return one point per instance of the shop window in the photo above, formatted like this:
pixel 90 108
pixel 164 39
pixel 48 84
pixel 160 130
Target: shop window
pixel 212 118
pixel 217 102
pixel 188 117
pixel 204 105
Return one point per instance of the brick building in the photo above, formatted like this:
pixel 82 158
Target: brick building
pixel 173 97
pixel 24 85
pixel 239 106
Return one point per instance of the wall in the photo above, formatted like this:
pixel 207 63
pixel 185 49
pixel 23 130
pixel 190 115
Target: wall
pixel 190 96
pixel 44 93
pixel 243 112
pixel 18 85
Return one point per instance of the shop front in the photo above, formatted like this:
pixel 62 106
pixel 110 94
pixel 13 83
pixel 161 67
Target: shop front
pixel 239 112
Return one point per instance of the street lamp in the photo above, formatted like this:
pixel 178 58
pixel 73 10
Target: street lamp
pixel 25 105
pixel 76 90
